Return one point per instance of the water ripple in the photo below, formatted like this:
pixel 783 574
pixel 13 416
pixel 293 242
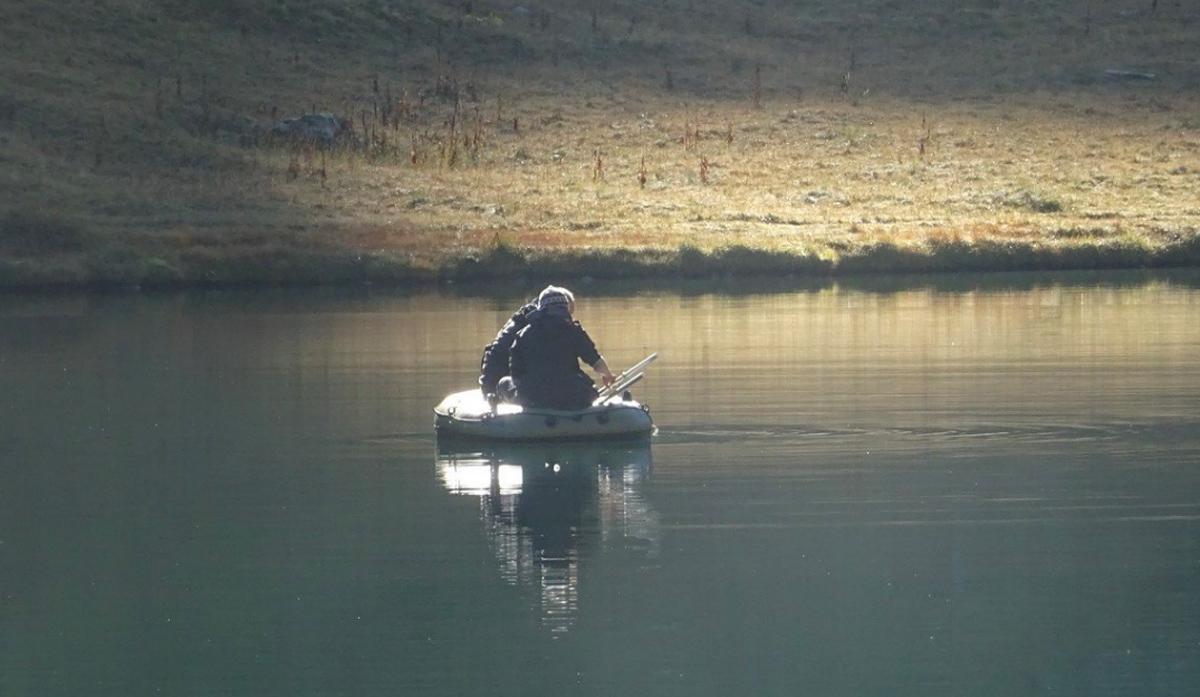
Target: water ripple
pixel 980 433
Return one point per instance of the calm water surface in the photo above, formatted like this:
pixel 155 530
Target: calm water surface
pixel 985 489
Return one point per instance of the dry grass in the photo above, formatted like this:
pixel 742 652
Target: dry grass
pixel 870 136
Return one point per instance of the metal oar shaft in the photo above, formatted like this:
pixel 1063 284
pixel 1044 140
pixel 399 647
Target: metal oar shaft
pixel 625 379
pixel 608 398
pixel 635 372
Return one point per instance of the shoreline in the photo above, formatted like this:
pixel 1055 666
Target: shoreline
pixel 132 269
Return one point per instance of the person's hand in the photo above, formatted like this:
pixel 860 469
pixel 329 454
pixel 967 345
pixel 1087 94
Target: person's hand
pixel 605 373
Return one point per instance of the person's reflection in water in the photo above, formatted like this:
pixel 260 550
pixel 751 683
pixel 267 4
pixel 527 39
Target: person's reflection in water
pixel 543 506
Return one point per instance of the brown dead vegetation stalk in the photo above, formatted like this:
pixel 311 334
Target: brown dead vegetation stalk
pixel 691 134
pixel 923 139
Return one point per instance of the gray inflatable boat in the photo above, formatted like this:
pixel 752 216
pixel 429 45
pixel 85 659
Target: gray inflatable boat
pixel 614 414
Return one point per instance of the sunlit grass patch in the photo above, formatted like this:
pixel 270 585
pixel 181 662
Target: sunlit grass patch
pixel 1036 201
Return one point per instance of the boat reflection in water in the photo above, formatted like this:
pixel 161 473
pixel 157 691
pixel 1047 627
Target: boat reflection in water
pixel 544 506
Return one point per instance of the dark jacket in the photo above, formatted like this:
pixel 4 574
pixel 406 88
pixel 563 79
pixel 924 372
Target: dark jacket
pixel 545 362
pixel 494 364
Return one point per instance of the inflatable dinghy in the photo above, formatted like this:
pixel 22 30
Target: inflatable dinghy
pixel 467 414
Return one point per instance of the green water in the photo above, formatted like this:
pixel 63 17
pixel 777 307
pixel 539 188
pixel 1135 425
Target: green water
pixel 985 487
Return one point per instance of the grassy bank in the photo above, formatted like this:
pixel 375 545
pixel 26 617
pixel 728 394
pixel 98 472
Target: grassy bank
pixel 688 138
pixel 275 262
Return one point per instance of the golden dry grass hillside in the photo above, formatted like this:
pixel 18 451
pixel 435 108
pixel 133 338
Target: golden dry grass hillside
pixel 690 137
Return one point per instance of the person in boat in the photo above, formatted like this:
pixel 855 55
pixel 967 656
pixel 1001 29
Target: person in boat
pixel 494 364
pixel 544 360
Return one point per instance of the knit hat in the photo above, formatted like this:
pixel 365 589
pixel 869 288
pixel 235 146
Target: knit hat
pixel 554 295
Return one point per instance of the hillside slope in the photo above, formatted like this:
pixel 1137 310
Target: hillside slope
pixel 137 148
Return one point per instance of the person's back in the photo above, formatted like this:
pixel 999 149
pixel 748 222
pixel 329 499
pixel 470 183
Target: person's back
pixel 494 364
pixel 545 357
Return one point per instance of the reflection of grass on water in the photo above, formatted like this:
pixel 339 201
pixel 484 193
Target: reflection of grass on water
pixel 575 141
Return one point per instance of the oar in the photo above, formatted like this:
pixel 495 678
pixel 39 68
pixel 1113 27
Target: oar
pixel 627 378
pixel 630 383
pixel 638 367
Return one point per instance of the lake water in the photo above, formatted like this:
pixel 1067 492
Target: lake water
pixel 959 486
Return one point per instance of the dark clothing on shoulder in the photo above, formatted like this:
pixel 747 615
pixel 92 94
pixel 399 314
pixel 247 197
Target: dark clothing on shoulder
pixel 545 362
pixel 494 364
